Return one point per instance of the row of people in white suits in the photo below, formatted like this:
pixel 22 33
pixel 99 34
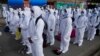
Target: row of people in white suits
pixel 57 23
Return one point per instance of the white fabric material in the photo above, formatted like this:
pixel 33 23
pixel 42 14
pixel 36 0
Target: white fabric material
pixel 81 24
pixel 5 15
pixel 10 19
pixel 4 12
pixel 51 27
pixel 24 24
pixel 77 13
pixel 93 22
pixel 57 23
pixel 65 30
pixel 15 22
pixel 36 31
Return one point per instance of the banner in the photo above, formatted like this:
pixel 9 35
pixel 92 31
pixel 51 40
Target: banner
pixel 38 2
pixel 62 5
pixel 16 3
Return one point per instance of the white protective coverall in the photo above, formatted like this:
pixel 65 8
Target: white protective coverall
pixel 21 19
pixel 15 21
pixel 98 11
pixel 65 30
pixel 57 23
pixel 5 15
pixel 20 16
pixel 89 14
pixel 93 22
pixel 36 31
pixel 4 12
pixel 81 24
pixel 45 15
pixel 51 27
pixel 10 20
pixel 25 28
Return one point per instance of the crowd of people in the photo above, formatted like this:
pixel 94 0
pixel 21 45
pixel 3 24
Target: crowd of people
pixel 35 21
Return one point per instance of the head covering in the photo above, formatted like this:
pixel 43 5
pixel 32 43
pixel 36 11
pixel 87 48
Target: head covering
pixel 27 12
pixel 37 11
pixel 90 10
pixel 42 8
pixel 83 12
pixel 52 11
pixel 15 12
pixel 78 11
pixel 69 12
pixel 56 11
pixel 19 9
pixel 11 9
pixel 4 8
pixel 27 9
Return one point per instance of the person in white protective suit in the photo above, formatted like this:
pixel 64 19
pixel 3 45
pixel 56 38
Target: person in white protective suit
pixel 45 14
pixel 89 14
pixel 4 12
pixel 10 20
pixel 98 31
pixel 20 16
pixel 93 22
pixel 65 30
pixel 15 22
pixel 5 15
pixel 81 24
pixel 57 23
pixel 36 30
pixel 25 28
pixel 51 28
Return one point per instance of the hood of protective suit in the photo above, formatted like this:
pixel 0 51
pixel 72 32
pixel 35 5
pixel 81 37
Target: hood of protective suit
pixel 69 14
pixel 11 9
pixel 37 11
pixel 56 12
pixel 95 11
pixel 26 9
pixel 78 11
pixel 27 12
pixel 42 8
pixel 95 8
pixel 4 8
pixel 15 12
pixel 52 11
pixel 68 10
pixel 90 10
pixel 83 12
pixel 48 7
pixel 19 9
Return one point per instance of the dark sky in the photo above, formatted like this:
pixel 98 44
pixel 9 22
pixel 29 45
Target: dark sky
pixel 3 1
pixel 98 1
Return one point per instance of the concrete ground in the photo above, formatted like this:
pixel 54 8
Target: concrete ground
pixel 9 47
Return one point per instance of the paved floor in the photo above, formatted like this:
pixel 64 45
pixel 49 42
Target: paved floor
pixel 9 46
